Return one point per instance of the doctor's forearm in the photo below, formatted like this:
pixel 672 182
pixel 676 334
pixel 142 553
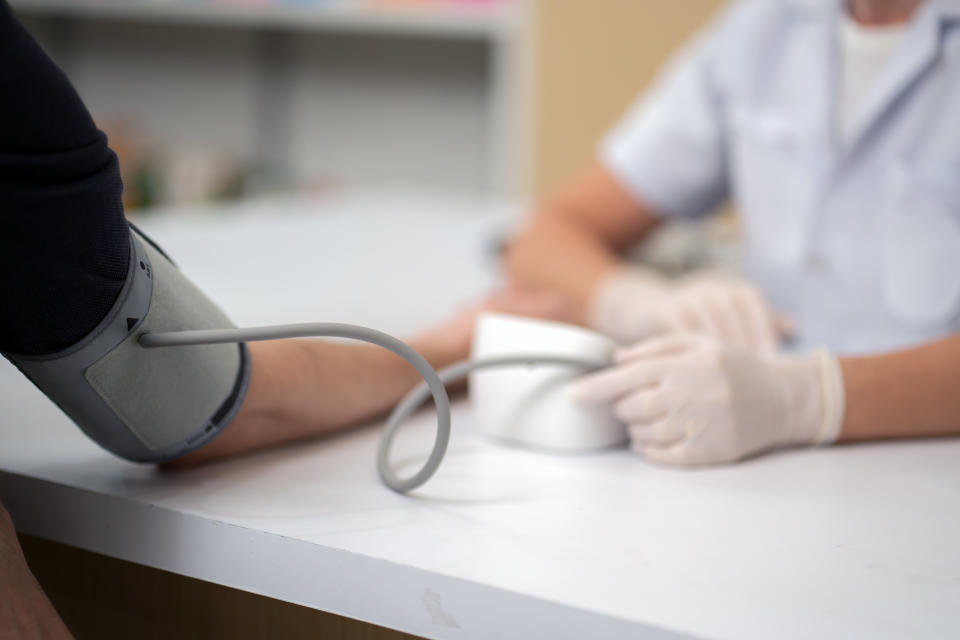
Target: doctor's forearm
pixel 573 242
pixel 905 394
pixel 554 255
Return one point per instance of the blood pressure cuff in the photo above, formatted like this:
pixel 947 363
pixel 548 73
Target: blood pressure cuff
pixel 147 405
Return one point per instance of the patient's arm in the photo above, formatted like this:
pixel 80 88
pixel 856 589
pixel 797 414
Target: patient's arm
pixel 305 388
pixel 911 393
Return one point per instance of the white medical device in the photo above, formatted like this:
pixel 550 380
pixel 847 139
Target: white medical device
pixel 532 405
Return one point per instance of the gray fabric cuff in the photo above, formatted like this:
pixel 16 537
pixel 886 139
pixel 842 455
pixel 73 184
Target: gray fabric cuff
pixel 148 405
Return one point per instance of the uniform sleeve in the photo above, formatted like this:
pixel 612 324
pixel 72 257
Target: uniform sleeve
pixel 669 149
pixel 64 241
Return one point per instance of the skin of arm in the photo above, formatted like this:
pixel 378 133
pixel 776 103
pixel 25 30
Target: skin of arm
pixel 305 388
pixel 25 611
pixel 574 239
pixel 301 389
pixel 904 394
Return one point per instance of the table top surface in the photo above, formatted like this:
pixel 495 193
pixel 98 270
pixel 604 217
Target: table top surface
pixel 855 541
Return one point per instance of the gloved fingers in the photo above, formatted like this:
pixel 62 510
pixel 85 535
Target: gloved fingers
pixel 785 326
pixel 669 344
pixel 684 316
pixel 615 382
pixel 721 319
pixel 705 317
pixel 759 320
pixel 675 455
pixel 728 318
pixel 643 406
pixel 659 434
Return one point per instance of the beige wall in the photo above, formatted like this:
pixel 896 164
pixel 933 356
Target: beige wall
pixel 592 58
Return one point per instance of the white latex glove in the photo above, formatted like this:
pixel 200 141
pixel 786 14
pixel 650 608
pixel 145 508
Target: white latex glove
pixel 689 400
pixel 635 304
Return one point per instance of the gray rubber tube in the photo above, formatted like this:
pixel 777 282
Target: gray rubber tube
pixel 336 330
pixel 412 401
pixel 433 382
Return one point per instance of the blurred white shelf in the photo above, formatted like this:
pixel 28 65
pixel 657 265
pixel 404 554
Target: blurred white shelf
pixel 421 93
pixel 448 20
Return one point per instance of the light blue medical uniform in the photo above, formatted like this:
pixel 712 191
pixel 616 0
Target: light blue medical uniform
pixel 857 239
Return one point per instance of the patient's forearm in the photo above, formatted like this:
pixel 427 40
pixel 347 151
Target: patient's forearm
pixel 305 388
pixel 912 393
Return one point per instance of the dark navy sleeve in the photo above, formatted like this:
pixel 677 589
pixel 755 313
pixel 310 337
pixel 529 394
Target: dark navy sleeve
pixel 64 244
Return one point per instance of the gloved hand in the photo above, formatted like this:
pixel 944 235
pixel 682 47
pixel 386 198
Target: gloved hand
pixel 635 304
pixel 689 400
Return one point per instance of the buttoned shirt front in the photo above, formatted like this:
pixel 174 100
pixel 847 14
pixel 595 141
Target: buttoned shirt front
pixel 857 239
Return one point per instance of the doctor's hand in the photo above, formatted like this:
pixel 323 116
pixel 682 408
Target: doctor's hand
pixel 634 304
pixel 690 400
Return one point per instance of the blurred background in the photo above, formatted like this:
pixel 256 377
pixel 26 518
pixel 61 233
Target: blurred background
pixel 207 100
